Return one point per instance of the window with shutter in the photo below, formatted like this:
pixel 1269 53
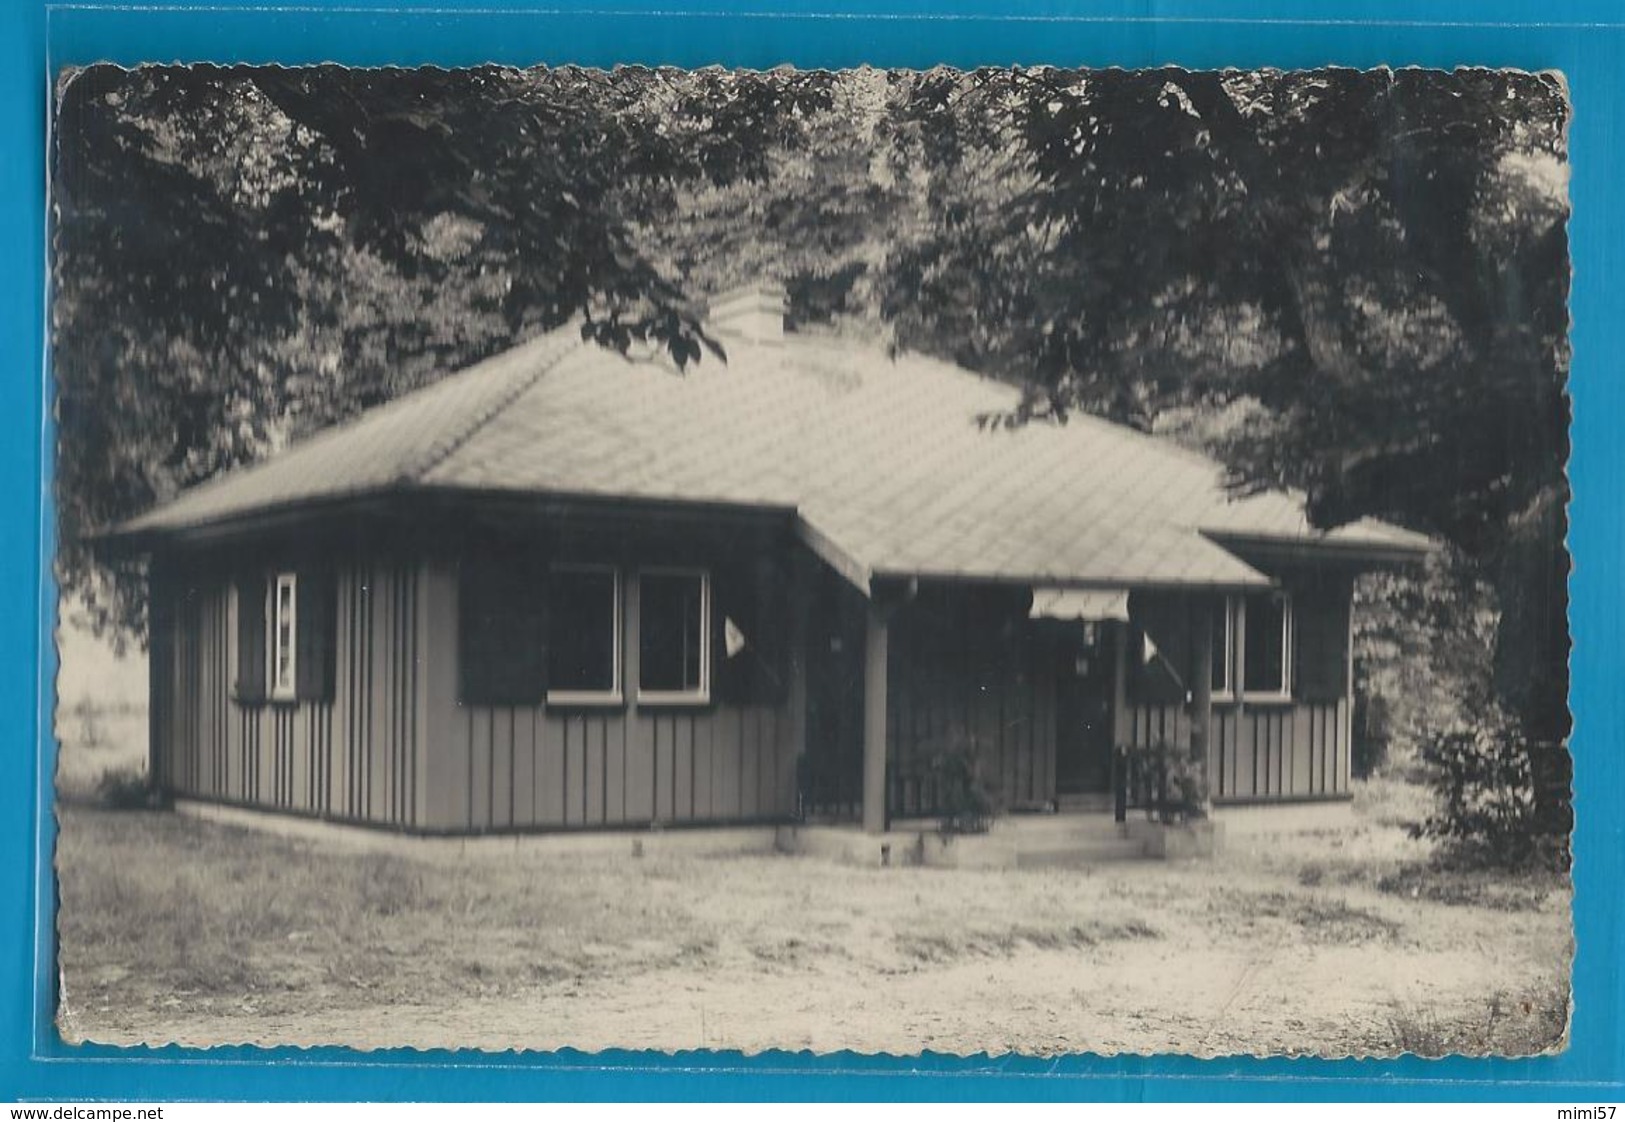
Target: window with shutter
pixel 1160 649
pixel 316 637
pixel 502 631
pixel 253 600
pixel 584 635
pixel 750 635
pixel 1322 643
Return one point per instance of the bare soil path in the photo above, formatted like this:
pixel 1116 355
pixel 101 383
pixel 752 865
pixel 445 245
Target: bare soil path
pixel 1333 943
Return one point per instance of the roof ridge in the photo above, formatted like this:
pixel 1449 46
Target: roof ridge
pixel 436 453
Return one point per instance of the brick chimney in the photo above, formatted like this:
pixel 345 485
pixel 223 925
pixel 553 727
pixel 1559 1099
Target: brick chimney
pixel 749 313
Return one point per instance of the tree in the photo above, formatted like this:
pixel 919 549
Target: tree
pixel 1390 247
pixel 1362 275
pixel 242 254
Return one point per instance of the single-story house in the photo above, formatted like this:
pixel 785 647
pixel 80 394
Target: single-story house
pixel 570 588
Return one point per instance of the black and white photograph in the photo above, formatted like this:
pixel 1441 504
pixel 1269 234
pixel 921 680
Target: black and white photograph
pixel 1022 560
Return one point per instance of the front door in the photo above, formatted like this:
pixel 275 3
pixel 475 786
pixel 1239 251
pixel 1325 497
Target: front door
pixel 1083 710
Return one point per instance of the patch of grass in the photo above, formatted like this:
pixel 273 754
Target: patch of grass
pixel 171 923
pixel 205 912
pixel 938 947
pixel 1524 1024
pixel 793 951
pixel 1499 890
pixel 389 886
pixel 1326 919
pixel 1395 797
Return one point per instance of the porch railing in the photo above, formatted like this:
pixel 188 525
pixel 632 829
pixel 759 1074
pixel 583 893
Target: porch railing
pixel 1161 781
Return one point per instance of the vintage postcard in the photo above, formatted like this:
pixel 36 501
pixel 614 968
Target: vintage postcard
pixel 1023 560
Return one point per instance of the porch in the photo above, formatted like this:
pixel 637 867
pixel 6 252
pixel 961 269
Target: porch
pixel 1066 839
pixel 1107 702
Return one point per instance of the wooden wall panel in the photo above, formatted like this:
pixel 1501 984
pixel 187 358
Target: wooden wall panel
pixel 395 747
pixel 638 767
pixel 682 768
pixel 308 758
pixel 380 662
pixel 442 759
pixel 726 751
pixel 477 815
pixel 704 736
pixel 1264 752
pixel 551 780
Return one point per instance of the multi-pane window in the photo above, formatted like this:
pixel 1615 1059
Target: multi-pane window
pixel 584 634
pixel 1267 660
pixel 674 636
pixel 284 636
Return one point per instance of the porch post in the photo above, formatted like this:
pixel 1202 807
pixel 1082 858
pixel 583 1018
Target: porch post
pixel 874 718
pixel 800 590
pixel 1120 713
pixel 1202 686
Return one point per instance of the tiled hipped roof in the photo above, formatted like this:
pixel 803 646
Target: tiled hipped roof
pixel 881 459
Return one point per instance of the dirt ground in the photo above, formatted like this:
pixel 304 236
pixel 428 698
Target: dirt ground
pixel 1334 943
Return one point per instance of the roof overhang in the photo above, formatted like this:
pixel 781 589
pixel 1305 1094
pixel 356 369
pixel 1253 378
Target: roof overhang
pixel 412 505
pixel 1328 550
pixel 872 580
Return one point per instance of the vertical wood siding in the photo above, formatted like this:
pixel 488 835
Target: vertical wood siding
pixel 355 757
pixel 492 767
pixel 1263 752
pixel 529 767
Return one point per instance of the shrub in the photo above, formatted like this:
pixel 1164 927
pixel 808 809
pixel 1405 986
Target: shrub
pixel 127 789
pixel 1373 731
pixel 90 725
pixel 1485 785
pixel 966 802
pixel 1165 781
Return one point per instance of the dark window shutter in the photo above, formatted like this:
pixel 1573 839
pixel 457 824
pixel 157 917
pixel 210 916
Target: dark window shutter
pixel 251 671
pixel 502 630
pixel 755 597
pixel 1321 619
pixel 316 638
pixel 1164 678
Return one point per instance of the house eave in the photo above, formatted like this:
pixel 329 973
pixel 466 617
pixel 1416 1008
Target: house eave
pixel 403 503
pixel 1325 550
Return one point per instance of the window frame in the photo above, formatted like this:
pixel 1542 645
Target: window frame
pixel 276 689
pixel 615 695
pixel 695 697
pixel 1280 693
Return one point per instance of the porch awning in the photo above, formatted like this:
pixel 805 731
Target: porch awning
pixel 1089 604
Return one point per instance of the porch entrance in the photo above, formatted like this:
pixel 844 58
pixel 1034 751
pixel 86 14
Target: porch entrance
pixel 1084 664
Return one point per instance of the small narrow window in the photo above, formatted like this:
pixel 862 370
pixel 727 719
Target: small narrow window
pixel 674 636
pixel 584 635
pixel 284 636
pixel 1269 645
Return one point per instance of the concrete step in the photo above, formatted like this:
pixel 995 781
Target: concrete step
pixel 1071 827
pixel 1085 804
pixel 1081 855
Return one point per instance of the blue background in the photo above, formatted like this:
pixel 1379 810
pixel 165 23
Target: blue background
pixel 1586 40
